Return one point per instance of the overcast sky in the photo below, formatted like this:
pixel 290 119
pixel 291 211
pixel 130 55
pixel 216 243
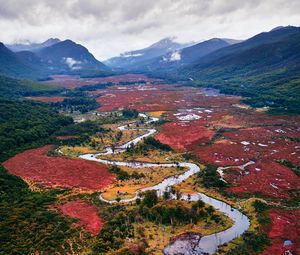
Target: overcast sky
pixel 109 27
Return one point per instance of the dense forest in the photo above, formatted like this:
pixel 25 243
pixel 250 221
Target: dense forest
pixel 27 124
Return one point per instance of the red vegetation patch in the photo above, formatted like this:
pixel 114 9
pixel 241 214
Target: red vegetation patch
pixel 184 135
pixel 224 154
pixel 158 97
pixel 264 145
pixel 35 165
pixel 75 81
pixel 86 214
pixel 265 177
pixel 254 143
pixel 285 226
pixel 47 99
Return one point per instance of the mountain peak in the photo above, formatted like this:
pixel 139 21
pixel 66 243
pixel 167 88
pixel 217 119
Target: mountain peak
pixel 215 40
pixel 68 55
pixel 132 58
pixel 281 27
pixel 31 46
pixel 51 41
pixel 163 43
pixel 68 41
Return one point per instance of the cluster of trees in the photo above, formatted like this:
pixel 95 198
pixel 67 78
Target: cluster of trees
pixel 123 175
pixel 152 143
pixel 160 122
pixel 174 213
pixel 120 220
pixel 87 128
pixel 79 133
pixel 80 104
pixel 130 113
pixel 253 243
pixel 26 124
pixel 115 230
pixel 210 178
pixel 148 144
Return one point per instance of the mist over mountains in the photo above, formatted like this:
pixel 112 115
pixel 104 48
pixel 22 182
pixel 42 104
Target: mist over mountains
pixel 131 59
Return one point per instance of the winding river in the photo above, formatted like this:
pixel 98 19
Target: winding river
pixel 182 245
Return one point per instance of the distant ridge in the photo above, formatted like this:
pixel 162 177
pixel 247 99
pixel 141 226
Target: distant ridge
pixel 185 56
pixel 133 58
pixel 32 46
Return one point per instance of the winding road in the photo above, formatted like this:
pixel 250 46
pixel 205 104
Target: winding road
pixel 207 244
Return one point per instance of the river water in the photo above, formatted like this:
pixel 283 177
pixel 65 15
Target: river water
pixel 183 245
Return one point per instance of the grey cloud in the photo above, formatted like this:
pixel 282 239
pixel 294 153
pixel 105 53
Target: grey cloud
pixel 108 27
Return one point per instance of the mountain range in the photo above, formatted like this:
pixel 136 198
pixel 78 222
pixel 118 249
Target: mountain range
pixel 265 68
pixel 51 57
pixel 182 57
pixel 29 46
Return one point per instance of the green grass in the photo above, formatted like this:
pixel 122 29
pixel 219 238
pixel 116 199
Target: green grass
pixel 15 88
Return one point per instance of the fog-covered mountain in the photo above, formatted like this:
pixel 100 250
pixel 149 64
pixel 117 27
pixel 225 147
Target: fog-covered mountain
pixel 133 58
pixel 185 56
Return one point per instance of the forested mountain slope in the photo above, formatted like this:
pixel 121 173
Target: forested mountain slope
pixel 265 68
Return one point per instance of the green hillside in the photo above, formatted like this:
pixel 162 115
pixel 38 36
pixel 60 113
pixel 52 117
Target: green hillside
pixel 267 73
pixel 13 65
pixel 13 88
pixel 26 124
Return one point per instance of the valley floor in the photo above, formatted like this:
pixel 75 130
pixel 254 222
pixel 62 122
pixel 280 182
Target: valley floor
pixel 250 160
